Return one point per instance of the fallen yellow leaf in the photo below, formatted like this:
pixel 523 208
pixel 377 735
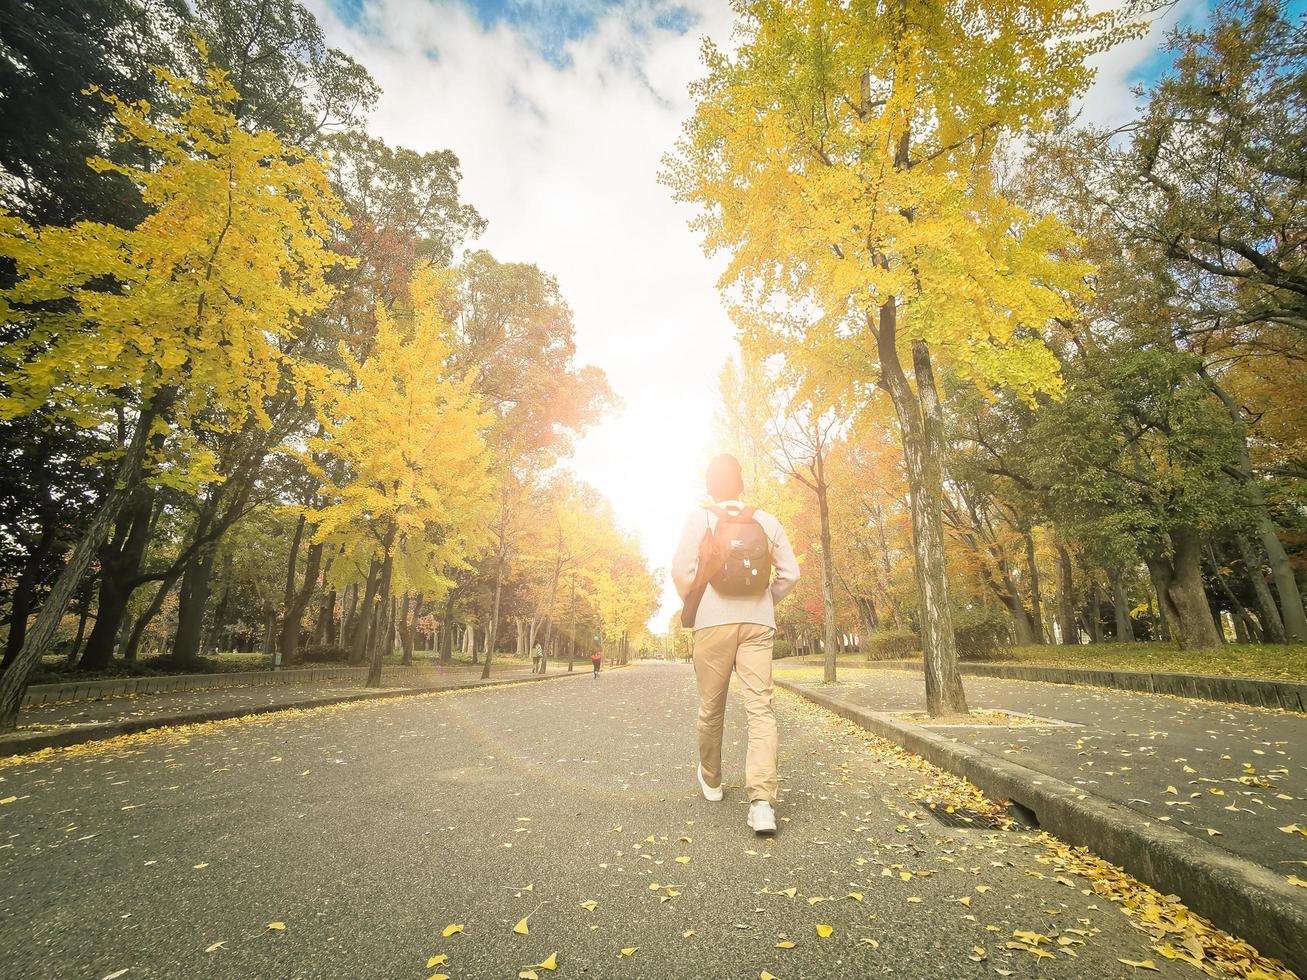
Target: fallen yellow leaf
pixel 687 934
pixel 1139 964
pixel 856 896
pixel 197 867
pixel 277 926
pixel 785 944
pixel 215 947
pixel 1295 880
pixel 629 950
pixel 452 930
pixel 8 799
pixel 870 942
pixel 550 963
pixel 528 975
pixel 983 888
pixel 683 859
pixel 824 930
pixel 590 906
pixel 764 975
pixel 521 927
pixel 791 891
pixel 437 960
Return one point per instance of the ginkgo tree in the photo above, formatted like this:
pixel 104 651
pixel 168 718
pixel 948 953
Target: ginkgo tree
pixel 402 458
pixel 845 156
pixel 184 319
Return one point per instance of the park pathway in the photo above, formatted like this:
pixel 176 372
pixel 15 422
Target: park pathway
pixel 361 832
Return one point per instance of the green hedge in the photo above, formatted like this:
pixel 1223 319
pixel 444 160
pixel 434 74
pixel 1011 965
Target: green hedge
pixel 890 645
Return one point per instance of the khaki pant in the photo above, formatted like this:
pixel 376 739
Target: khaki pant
pixel 748 648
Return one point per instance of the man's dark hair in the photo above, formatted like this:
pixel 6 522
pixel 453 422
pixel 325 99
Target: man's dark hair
pixel 725 478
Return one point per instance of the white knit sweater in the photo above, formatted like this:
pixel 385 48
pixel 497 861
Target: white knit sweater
pixel 721 610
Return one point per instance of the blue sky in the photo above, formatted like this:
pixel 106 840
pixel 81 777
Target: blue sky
pixel 551 24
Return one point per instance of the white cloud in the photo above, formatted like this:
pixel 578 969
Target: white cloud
pixel 562 159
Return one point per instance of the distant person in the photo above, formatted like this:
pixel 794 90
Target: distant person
pixel 723 570
pixel 596 659
pixel 537 654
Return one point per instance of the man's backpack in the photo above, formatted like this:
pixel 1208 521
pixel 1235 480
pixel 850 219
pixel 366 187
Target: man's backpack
pixel 744 551
pixel 734 557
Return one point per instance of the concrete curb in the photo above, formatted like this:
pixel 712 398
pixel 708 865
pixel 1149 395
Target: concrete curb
pixel 1244 898
pixel 1204 687
pixel 21 744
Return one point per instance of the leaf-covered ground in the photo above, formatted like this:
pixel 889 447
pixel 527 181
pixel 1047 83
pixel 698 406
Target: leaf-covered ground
pixel 549 830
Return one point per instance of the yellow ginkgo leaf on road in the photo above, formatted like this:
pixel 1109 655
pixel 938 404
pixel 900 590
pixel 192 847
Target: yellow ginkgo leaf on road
pixel 914 900
pixel 870 942
pixel 521 928
pixel 824 930
pixel 982 888
pixel 438 976
pixel 1293 828
pixel 785 944
pixel 437 960
pixel 683 859
pixel 590 906
pixel 528 975
pixel 1033 938
pixel 789 892
pixel 856 896
pixel 550 962
pixel 1139 964
pixel 452 930
pixel 7 800
pixel 687 934
pixel 277 926
pixel 965 900
pixel 1295 880
pixel 629 950
pixel 764 975
pixel 215 947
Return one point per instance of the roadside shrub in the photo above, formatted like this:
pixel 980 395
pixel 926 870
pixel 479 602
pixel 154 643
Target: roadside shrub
pixel 781 648
pixel 890 645
pixel 324 654
pixel 981 633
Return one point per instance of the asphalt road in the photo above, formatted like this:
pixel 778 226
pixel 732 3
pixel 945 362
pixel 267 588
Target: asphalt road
pixel 367 829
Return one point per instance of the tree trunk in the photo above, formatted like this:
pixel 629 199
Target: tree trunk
pixel 1066 606
pixel 363 617
pixel 1121 606
pixel 20 601
pixel 1181 594
pixel 1036 612
pixel 827 571
pixel 1293 616
pixel 1272 624
pixel 120 563
pixel 1095 611
pixel 193 601
pixel 922 433
pixel 374 667
pixel 298 602
pixel 143 620
pixel 492 631
pixel 269 628
pixel 1240 617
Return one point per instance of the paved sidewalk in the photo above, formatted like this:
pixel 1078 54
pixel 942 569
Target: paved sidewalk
pixel 72 721
pixel 1230 776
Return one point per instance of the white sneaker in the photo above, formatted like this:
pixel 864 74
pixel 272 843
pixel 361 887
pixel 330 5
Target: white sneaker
pixel 762 818
pixel 711 793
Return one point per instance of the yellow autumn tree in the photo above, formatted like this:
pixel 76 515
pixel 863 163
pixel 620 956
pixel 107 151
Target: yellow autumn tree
pixel 184 320
pixel 402 460
pixel 844 156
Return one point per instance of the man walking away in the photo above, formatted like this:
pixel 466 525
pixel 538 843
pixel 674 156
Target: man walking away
pixel 536 653
pixel 596 659
pixel 723 570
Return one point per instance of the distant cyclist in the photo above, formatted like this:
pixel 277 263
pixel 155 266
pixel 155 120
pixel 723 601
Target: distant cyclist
pixel 723 569
pixel 596 659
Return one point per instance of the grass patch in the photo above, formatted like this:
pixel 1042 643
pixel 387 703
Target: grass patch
pixel 1270 661
pixel 1273 661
